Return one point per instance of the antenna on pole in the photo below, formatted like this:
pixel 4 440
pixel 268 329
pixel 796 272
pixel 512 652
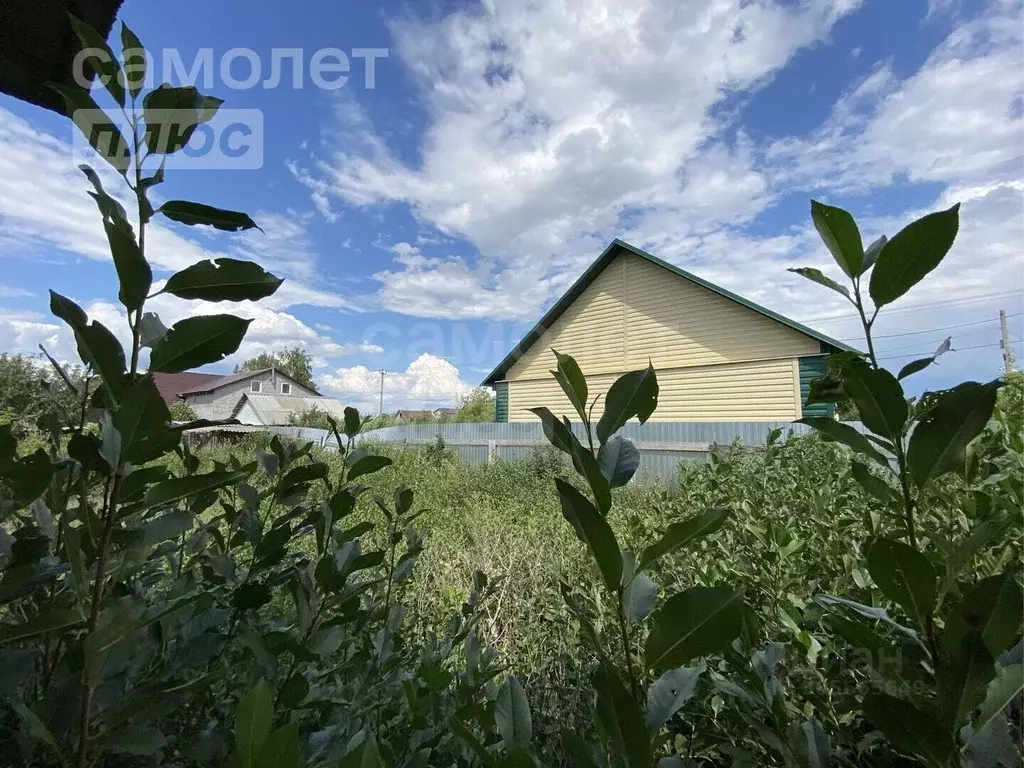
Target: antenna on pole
pixel 382 372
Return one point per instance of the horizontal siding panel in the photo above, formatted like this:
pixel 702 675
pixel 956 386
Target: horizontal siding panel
pixel 636 311
pixel 756 391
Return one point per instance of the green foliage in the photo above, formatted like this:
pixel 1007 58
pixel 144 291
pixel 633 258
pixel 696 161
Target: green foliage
pixel 311 417
pixel 181 411
pixel 294 361
pixel 476 407
pixel 794 606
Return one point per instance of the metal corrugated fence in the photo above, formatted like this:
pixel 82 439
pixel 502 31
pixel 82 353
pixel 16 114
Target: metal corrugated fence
pixel 663 445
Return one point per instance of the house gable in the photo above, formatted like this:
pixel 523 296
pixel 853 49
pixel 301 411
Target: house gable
pixel 629 307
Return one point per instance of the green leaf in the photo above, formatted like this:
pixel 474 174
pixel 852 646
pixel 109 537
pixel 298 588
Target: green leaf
pixel 300 476
pixel 593 529
pixel 250 596
pixel 680 534
pixel 35 729
pixel 633 394
pixel 839 232
pixel 586 465
pixel 904 575
pixel 110 209
pixel 962 679
pixel 670 692
pixel 169 526
pixel 143 422
pixel 915 251
pixel 363 752
pixel 873 484
pixel 172 114
pixel 512 714
pixel 639 596
pixel 463 734
pixel 281 748
pixel 574 745
pixel 621 718
pixel 197 213
pixel 133 271
pixel 52 620
pixel 871 253
pixel 253 717
pixel 223 279
pixel 1005 688
pixel 697 622
pixel 170 491
pixel 134 61
pixel 619 460
pixel 97 346
pixel 940 439
pixel 844 434
pixel 151 330
pixel 99 130
pixel 364 463
pixel 352 422
pixel 555 430
pixel 572 381
pixel 867 611
pixel 994 607
pixel 197 341
pixel 819 277
pixel 920 364
pixel 811 744
pixel 910 728
pixel 106 65
pixel 879 398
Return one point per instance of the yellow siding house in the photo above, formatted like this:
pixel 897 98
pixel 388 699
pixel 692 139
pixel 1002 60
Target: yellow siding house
pixel 719 357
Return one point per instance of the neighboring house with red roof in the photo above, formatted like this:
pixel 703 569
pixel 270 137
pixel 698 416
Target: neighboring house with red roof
pixel 214 396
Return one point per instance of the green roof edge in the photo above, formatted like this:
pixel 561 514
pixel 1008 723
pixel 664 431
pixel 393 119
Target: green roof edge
pixel 591 273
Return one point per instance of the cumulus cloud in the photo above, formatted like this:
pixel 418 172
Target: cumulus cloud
pixel 44 204
pixel 428 382
pixel 551 124
pixel 555 127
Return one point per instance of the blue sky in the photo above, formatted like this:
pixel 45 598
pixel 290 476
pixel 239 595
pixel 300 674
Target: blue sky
pixel 424 224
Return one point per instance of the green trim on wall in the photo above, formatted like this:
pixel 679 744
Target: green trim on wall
pixel 813 368
pixel 501 402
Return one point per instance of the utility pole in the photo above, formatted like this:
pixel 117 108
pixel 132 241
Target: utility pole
pixel 382 372
pixel 1004 342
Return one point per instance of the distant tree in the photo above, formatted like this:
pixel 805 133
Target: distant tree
pixel 182 411
pixel 476 407
pixel 311 417
pixel 294 361
pixel 29 387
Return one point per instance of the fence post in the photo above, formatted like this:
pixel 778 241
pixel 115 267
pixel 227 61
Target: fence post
pixel 492 450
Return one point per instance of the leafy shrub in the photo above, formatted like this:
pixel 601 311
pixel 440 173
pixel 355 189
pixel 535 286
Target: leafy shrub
pixel 181 411
pixel 156 609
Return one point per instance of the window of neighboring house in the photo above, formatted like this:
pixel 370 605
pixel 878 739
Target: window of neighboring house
pixel 255 386
pixel 286 388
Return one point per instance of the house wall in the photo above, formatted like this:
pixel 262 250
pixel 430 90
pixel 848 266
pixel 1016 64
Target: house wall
pixel 766 390
pixel 635 311
pixel 715 359
pixel 221 402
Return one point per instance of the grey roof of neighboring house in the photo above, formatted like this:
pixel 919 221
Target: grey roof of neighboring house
pixel 223 381
pixel 404 413
pixel 606 258
pixel 275 410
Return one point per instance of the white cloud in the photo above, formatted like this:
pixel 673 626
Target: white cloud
pixel 552 124
pixel 44 204
pixel 12 292
pixel 429 381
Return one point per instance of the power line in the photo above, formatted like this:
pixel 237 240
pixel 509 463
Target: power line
pixel 960 302
pixel 934 342
pixel 959 349
pixel 931 330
